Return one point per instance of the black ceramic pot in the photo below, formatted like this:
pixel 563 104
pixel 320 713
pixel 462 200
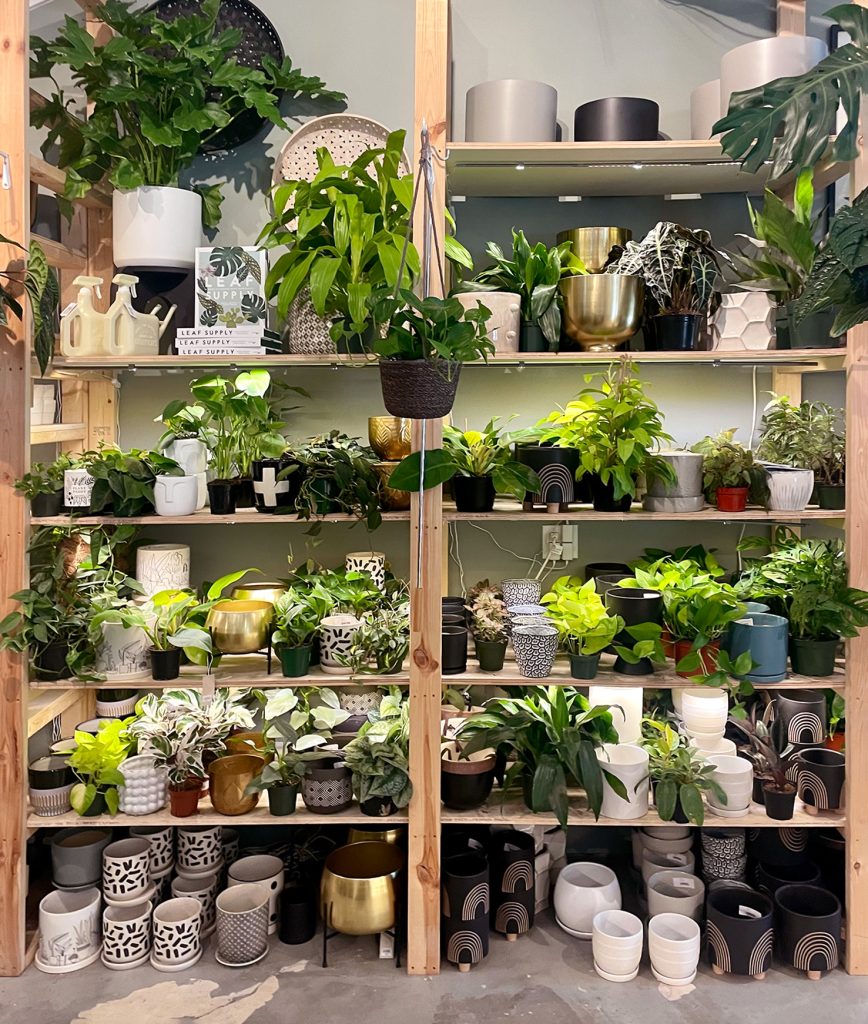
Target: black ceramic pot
pixel 813 657
pixel 770 877
pixel 473 493
pixel 453 650
pixel 739 931
pixel 821 777
pixel 829 851
pixel 595 569
pixel 800 717
pixel 269 493
pixel 221 497
pixel 50 662
pixel 635 607
pixel 781 847
pixel 165 665
pixel 678 332
pixel 604 497
pixel 242 490
pixel 617 119
pixel 465 906
pixel 452 619
pixel 465 785
pixel 42 505
pixel 556 469
pixel 511 856
pixel 298 914
pixel 829 496
pixel 531 338
pixel 51 773
pixel 378 807
pixel 779 803
pixel 419 389
pixel 808 927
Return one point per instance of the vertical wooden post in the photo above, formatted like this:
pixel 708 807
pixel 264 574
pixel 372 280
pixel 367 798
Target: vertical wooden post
pixel 426 552
pixel 14 442
pixel 792 18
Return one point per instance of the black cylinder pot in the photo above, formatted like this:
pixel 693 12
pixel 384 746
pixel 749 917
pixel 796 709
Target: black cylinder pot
pixel 50 504
pixel 617 119
pixel 243 493
pixel 465 785
pixel 556 469
pixel 739 931
pixel 465 906
pixel 298 915
pixel 821 777
pixel 165 665
pixel 453 650
pixel 771 877
pixel 809 927
pixel 635 607
pixel 513 900
pixel 603 495
pixel 595 569
pixel 473 493
pixel 678 332
pixel 800 717
pixel 779 846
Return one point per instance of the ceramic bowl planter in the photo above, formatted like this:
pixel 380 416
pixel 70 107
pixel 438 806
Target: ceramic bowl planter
pixel 513 882
pixel 675 892
pixel 50 782
pixel 582 891
pixel 790 490
pixel 704 710
pixel 535 649
pixel 327 787
pixel 242 925
pixel 76 856
pixel 739 932
pixel 70 937
pixel 602 311
pixel 809 928
pixel 635 607
pixel 629 763
pixel 161 851
pixel 466 784
pixel 820 779
pixel 453 650
pixel 336 636
pixel 177 934
pixel 511 110
pixel 617 119
pixel 465 904
pixel 176 495
pixel 734 775
pixel 298 913
pixel 229 778
pixel 126 936
pixel 200 849
pixel 765 637
pixel 674 945
pixel 145 788
pixel 419 389
pixel 156 226
pixel 617 939
pixel 814 657
pixel 126 870
pixel 686 494
pixel 490 654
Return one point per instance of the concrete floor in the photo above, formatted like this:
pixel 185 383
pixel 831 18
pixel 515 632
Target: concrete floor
pixel 546 976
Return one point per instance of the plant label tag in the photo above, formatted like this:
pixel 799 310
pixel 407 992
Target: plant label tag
pixel 682 883
pixel 676 858
pixel 67 310
pixel 209 682
pixel 748 912
pixel 387 946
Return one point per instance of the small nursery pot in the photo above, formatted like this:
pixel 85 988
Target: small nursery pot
pixel 184 797
pixel 583 890
pixel 242 924
pixel 678 332
pixel 490 654
pixel 675 892
pixel 221 497
pixel 595 569
pixel 732 499
pixel 453 650
pixel 466 784
pixel 282 800
pixel 809 927
pixel 584 666
pixel 779 803
pixel 629 763
pixel 378 807
pixel 674 945
pixel 419 389
pixel 42 505
pixel 820 778
pixel 829 496
pixel 814 657
pixel 531 337
pixel 165 665
pixel 739 932
pixel 295 661
pixel 616 940
pixel 473 493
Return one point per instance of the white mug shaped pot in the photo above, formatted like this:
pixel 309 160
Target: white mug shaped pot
pixel 616 940
pixel 652 862
pixel 176 495
pixel 704 710
pixel 126 935
pixel 126 868
pixel 69 931
pixel 242 924
pixel 268 872
pixel 583 890
pixel 627 762
pixel 676 892
pixel 734 775
pixel 177 933
pixel 673 944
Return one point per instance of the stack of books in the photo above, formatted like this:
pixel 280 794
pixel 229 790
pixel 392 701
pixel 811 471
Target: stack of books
pixel 226 341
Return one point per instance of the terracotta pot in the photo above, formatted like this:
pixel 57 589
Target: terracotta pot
pixel 184 798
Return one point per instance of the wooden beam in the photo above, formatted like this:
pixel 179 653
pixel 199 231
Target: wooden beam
pixel 792 18
pixel 61 256
pixel 426 554
pixel 15 356
pixel 53 179
pixel 787 381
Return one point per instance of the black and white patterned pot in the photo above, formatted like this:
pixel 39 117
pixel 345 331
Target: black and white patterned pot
pixel 162 846
pixel 465 906
pixel 265 870
pixel 126 936
pixel 177 933
pixel 200 849
pixel 371 562
pixel 808 927
pixel 516 592
pixel 242 924
pixel 205 890
pixel 513 881
pixel 821 778
pixel 327 787
pixel 336 634
pixel 126 869
pixel 535 649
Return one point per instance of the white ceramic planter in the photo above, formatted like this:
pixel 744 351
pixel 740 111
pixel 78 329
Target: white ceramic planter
pixel 504 325
pixel 673 944
pixel 734 775
pixel 764 60
pixel 704 109
pixel 629 763
pixel 126 870
pixel 267 871
pixel 156 226
pixel 192 456
pixel 511 110
pixel 76 856
pixel 704 710
pixel 789 489
pixel 162 846
pixel 205 890
pixel 77 488
pixel 177 934
pixel 676 892
pixel 116 708
pixel 745 321
pixel 678 841
pixel 582 891
pixel 336 634
pixel 653 861
pixel 371 562
pixel 124 653
pixel 242 924
pixel 535 648
pixel 200 849
pixel 126 936
pixel 706 746
pixel 70 937
pixel 48 803
pixel 616 940
pixel 163 567
pixel 176 495
pixel 626 705
pixel 146 787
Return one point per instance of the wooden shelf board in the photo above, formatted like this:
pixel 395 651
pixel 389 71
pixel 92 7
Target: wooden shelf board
pixel 511 511
pixel 54 433
pixel 44 705
pixel 663 167
pixel 54 180
pixel 204 518
pixel 60 256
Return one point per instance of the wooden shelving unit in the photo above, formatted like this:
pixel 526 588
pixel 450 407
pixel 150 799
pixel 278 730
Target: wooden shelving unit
pixel 57 433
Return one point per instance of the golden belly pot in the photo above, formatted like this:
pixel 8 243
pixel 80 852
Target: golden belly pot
pixel 240 627
pixel 394 501
pixel 229 777
pixel 389 436
pixel 268 590
pixel 357 893
pixel 373 834
pixel 601 311
pixel 593 245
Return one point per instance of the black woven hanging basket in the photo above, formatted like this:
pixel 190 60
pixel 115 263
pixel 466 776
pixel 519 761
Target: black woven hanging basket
pixel 259 39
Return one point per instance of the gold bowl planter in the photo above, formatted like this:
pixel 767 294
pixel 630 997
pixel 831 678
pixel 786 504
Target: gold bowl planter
pixel 268 590
pixel 394 501
pixel 357 893
pixel 374 834
pixel 389 436
pixel 601 311
pixel 229 777
pixel 240 627
pixel 593 245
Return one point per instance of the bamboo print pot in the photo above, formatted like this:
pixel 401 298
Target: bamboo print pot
pixel 809 928
pixel 616 940
pixel 465 906
pixel 582 891
pixel 739 932
pixel 242 925
pixel 820 779
pixel 126 870
pixel 203 889
pixel 161 851
pixel 535 649
pixel 371 562
pixel 512 882
pixel 126 936
pixel 69 931
pixel 336 636
pixel 200 849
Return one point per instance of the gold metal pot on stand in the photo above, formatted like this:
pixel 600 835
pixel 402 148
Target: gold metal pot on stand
pixel 601 311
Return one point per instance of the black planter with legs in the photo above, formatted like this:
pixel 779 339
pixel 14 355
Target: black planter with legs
pixel 739 932
pixel 808 928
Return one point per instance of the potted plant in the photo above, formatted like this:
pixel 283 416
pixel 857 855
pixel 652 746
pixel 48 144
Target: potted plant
pixel 535 274
pixel 379 758
pixel 680 268
pixel 95 762
pixel 584 626
pixel 679 776
pixel 830 453
pixel 617 429
pixel 726 471
pixel 779 794
pixel 553 733
pixel 786 452
pixel 43 486
pixel 168 101
pixel 381 642
pixel 185 439
pixel 488 622
pixel 337 475
pixel 39 281
pixel 298 613
pixel 123 481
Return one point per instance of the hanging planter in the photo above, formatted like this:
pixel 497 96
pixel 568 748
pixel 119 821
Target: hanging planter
pixel 419 389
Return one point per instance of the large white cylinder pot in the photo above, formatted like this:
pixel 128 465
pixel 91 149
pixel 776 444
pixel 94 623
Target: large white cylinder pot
pixel 505 322
pixel 675 892
pixel 268 872
pixel 704 709
pixel 124 652
pixel 629 763
pixel 653 861
pixel 789 489
pixel 163 567
pixel 70 936
pixel 704 109
pixel 763 60
pixel 177 934
pixel 617 941
pixel 511 110
pixel 582 891
pixel 625 703
pixel 734 775
pixel 176 495
pixel 673 945
pixel 156 226
pixel 336 634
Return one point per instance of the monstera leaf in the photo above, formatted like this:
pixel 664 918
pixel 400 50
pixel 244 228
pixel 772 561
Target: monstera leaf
pixel 226 260
pixel 788 121
pixel 253 308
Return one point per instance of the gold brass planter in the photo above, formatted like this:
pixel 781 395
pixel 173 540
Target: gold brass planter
pixel 357 893
pixel 593 245
pixel 394 501
pixel 240 627
pixel 601 311
pixel 268 590
pixel 229 777
pixel 373 834
pixel 389 436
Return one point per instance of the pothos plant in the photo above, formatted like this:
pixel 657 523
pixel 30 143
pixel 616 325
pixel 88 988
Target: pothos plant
pixel 379 756
pixel 35 277
pixel 577 611
pixel 96 761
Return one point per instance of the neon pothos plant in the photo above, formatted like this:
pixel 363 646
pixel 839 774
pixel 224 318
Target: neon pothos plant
pixel 95 762
pixel 679 775
pixel 577 612
pixel 43 290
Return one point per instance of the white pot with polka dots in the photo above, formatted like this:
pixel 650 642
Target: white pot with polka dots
pixel 177 934
pixel 267 871
pixel 371 562
pixel 145 788
pixel 243 924
pixel 126 936
pixel 200 849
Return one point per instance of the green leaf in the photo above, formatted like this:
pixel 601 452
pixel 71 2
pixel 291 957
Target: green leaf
pixel 439 467
pixel 591 775
pixel 691 802
pixel 322 277
pixel 665 797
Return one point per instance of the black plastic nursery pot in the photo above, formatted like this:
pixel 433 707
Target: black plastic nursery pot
pixel 97 807
pixel 298 914
pixel 453 650
pixel 604 497
pixel 165 665
pixel 243 492
pixel 813 332
pixel 50 662
pixel 779 803
pixel 490 654
pixel 813 657
pixel 325 493
pixel 295 661
pixel 465 785
pixel 47 504
pixel 831 496
pixel 282 800
pixel 221 497
pixel 473 493
pixel 678 332
pixel 419 389
pixel 378 807
pixel 584 666
pixel 531 337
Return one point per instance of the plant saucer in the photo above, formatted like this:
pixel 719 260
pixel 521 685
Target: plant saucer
pixel 167 968
pixel 128 965
pixel 614 977
pixel 572 931
pixel 77 888
pixel 725 812
pixel 76 965
pixel 132 901
pixel 674 982
pixel 182 872
pixel 247 963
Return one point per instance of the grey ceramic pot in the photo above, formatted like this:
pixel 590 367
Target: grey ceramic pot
pixel 511 110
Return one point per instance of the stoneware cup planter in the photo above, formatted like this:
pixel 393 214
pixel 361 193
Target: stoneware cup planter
pixel 629 763
pixel 242 925
pixel 626 704
pixel 820 779
pixel 50 782
pixel 535 649
pixel 676 892
pixel 584 890
pixel 617 940
pixel 145 788
pixel 161 852
pixel 298 915
pixel 176 495
pixel 814 657
pixel 734 775
pixel 156 226
pixel 654 861
pixel 465 906
pixel 504 323
pixel 126 870
pixel 200 849
pixel 336 636
pixel 76 856
pixel 453 650
pixel 739 932
pixel 674 945
pixel 790 490
pixel 327 787
pixel 70 936
pixel 419 389
pixel 204 889
pixel 126 936
pixel 511 110
pixel 771 877
pixel 808 922
pixel 282 800
pixel 765 637
pixel 490 654
pixel 229 778
pixel 177 934
pixel 466 784
pixel 266 871
pixel 513 882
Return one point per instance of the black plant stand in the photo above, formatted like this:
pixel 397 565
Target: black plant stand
pixel 397 932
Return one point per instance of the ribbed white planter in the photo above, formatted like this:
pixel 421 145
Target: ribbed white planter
pixel 704 710
pixel 116 708
pixel 734 775
pixel 156 226
pixel 48 803
pixel 617 941
pixel 70 937
pixel 192 456
pixel 146 788
pixel 627 762
pixel 582 891
pixel 673 944
pixel 676 892
pixel 789 489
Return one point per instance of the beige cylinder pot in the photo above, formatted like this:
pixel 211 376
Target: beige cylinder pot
pixel 505 322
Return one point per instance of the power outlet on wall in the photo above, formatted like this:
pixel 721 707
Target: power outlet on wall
pixel 560 541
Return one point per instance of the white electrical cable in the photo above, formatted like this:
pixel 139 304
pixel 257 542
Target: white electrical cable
pixel 754 411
